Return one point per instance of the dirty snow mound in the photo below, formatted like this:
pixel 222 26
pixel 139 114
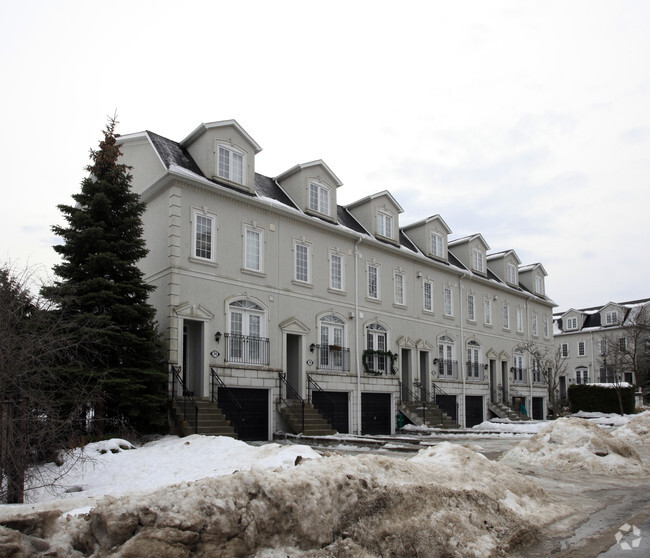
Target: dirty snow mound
pixel 636 430
pixel 445 501
pixel 574 443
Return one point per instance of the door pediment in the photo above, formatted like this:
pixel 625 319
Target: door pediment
pixel 194 311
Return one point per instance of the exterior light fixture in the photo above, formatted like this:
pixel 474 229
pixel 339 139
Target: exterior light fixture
pixel 217 336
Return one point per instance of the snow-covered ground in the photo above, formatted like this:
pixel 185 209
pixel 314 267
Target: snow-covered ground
pixel 214 496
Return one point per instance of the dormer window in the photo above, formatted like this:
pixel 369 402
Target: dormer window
pixel 479 261
pixel 539 284
pixel 511 274
pixel 230 164
pixel 611 318
pixel 319 198
pixel 437 245
pixel 572 323
pixel 385 224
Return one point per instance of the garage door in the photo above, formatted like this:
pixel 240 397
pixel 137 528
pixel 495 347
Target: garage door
pixel 447 404
pixel 322 401
pixel 473 410
pixel 375 413
pixel 254 423
pixel 538 408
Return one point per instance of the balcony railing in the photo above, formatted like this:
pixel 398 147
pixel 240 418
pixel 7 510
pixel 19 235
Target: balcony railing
pixel 475 371
pixel 243 349
pixel 520 375
pixel 331 357
pixel 447 369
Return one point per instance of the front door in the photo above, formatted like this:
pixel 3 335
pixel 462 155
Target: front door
pixel 294 370
pixel 424 374
pixel 406 375
pixel 504 381
pixel 192 356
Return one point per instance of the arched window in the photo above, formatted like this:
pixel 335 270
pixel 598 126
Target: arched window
pixel 246 342
pixel 332 351
pixel 377 340
pixel 473 359
pixel 446 362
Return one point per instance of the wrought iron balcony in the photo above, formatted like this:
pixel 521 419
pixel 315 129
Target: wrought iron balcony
pixel 519 375
pixel 244 349
pixel 332 357
pixel 447 369
pixel 475 371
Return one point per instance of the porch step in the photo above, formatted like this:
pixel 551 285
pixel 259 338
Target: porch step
pixel 435 417
pixel 314 425
pixel 211 420
pixel 507 412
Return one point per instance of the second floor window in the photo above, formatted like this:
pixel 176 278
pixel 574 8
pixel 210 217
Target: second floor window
pixel 471 310
pixel 399 289
pixel 520 320
pixel 506 316
pixel 565 349
pixel 231 165
pixel 377 340
pixel 581 348
pixel 253 249
pixel 427 287
pixel 331 352
pixel 487 308
pixel 302 262
pixel 373 282
pixel 319 198
pixel 203 237
pixel 449 302
pixel 518 360
pixel 534 328
pixel 336 272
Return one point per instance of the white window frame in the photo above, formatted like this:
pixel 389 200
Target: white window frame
pixel 547 328
pixel 377 293
pixel 399 288
pixel 301 261
pixel 427 295
pixel 487 311
pixel 582 348
pixel 385 224
pixel 565 349
pixel 437 245
pixel 520 319
pixel 319 197
pixel 611 317
pixel 253 230
pixel 519 374
pixel 511 274
pixel 235 157
pixel 534 330
pixel 244 345
pixel 474 358
pixel 337 271
pixel 377 340
pixel 572 323
pixel 539 284
pixel 506 316
pixel 196 241
pixel 448 297
pixel 332 332
pixel 478 260
pixel 446 357
pixel 471 307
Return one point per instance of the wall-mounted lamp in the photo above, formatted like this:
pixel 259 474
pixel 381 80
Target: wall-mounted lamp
pixel 486 365
pixel 512 369
pixel 217 336
pixel 435 361
pixel 312 347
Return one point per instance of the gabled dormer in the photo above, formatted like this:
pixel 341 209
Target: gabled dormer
pixel 532 277
pixel 225 152
pixel 505 265
pixel 471 251
pixel 312 186
pixel 430 236
pixel 379 214
pixel 572 320
pixel 612 314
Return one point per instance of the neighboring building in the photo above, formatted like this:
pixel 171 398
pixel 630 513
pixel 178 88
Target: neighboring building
pixel 257 277
pixel 588 337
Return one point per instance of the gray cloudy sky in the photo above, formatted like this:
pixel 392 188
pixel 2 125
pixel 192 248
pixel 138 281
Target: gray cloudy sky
pixel 528 122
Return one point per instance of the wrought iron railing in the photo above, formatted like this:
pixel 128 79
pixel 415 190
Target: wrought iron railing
pixel 185 402
pixel 329 357
pixel 330 406
pixel 292 401
pixel 438 391
pixel 519 375
pixel 411 396
pixel 475 371
pixel 244 349
pixel 229 404
pixel 447 370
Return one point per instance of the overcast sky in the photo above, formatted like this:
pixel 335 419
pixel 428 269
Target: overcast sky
pixel 528 122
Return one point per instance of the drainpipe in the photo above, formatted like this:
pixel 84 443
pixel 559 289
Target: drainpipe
pixel 530 370
pixel 462 346
pixel 357 254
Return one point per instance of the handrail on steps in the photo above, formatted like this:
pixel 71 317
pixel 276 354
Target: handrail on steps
pixel 235 414
pixel 186 398
pixel 295 397
pixel 313 385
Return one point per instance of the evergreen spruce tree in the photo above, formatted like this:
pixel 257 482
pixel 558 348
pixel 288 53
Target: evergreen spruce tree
pixel 101 287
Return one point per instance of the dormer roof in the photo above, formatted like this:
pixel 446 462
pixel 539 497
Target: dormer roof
pixel 306 166
pixel 531 267
pixel 503 254
pixel 202 128
pixel 437 218
pixel 383 193
pixel 468 239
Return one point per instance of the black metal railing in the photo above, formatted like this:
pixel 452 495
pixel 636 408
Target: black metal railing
pixel 411 396
pixel 228 403
pixel 331 357
pixel 509 398
pixel 438 391
pixel 475 370
pixel 520 375
pixel 447 369
pixel 185 402
pixel 292 401
pixel 329 408
pixel 244 349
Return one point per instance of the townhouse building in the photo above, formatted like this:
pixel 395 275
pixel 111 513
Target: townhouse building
pixel 270 293
pixel 599 343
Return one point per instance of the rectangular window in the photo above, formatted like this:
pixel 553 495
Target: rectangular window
pixel 449 302
pixel 546 327
pixel 565 349
pixel 534 328
pixel 399 288
pixel 611 318
pixel 427 287
pixel 252 250
pixel 479 261
pixel 302 262
pixel 203 237
pixel 436 245
pixel 506 316
pixel 520 320
pixel 319 198
pixel 581 348
pixel 511 274
pixel 539 284
pixel 231 165
pixel 603 347
pixel 336 272
pixel 622 344
pixel 373 282
pixel 385 225
pixel 487 311
pixel 572 323
pixel 471 310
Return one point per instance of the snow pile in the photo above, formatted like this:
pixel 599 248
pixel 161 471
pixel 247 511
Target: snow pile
pixel 636 430
pixel 572 443
pixel 506 425
pixel 445 501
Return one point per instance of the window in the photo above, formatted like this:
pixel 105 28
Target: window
pixel 611 318
pixel 373 282
pixel 511 274
pixel 399 296
pixel 537 371
pixel 622 344
pixel 436 245
pixel 245 339
pixel 376 340
pixel 203 236
pixel 539 284
pixel 230 164
pixel 332 354
pixel 546 327
pixel 253 249
pixel 603 347
pixel 384 225
pixel 471 311
pixel 534 328
pixel 582 375
pixel 427 294
pixel 487 311
pixel 336 272
pixel 302 262
pixel 479 261
pixel 572 323
pixel 520 320
pixel 446 362
pixel 581 348
pixel 506 316
pixel 519 372
pixel 449 301
pixel 565 349
pixel 473 359
pixel 319 198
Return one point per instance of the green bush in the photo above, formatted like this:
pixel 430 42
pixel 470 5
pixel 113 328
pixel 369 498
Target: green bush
pixel 599 399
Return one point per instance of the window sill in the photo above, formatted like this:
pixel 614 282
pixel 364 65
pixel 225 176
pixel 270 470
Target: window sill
pixel 448 316
pixel 302 284
pixel 489 326
pixel 400 306
pixel 210 263
pixel 374 300
pixel 336 291
pixel 253 272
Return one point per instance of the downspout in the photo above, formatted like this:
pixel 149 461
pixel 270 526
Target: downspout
pixel 462 346
pixel 530 371
pixel 357 254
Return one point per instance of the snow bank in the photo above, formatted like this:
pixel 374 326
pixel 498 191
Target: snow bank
pixel 568 444
pixel 507 425
pixel 636 430
pixel 445 501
